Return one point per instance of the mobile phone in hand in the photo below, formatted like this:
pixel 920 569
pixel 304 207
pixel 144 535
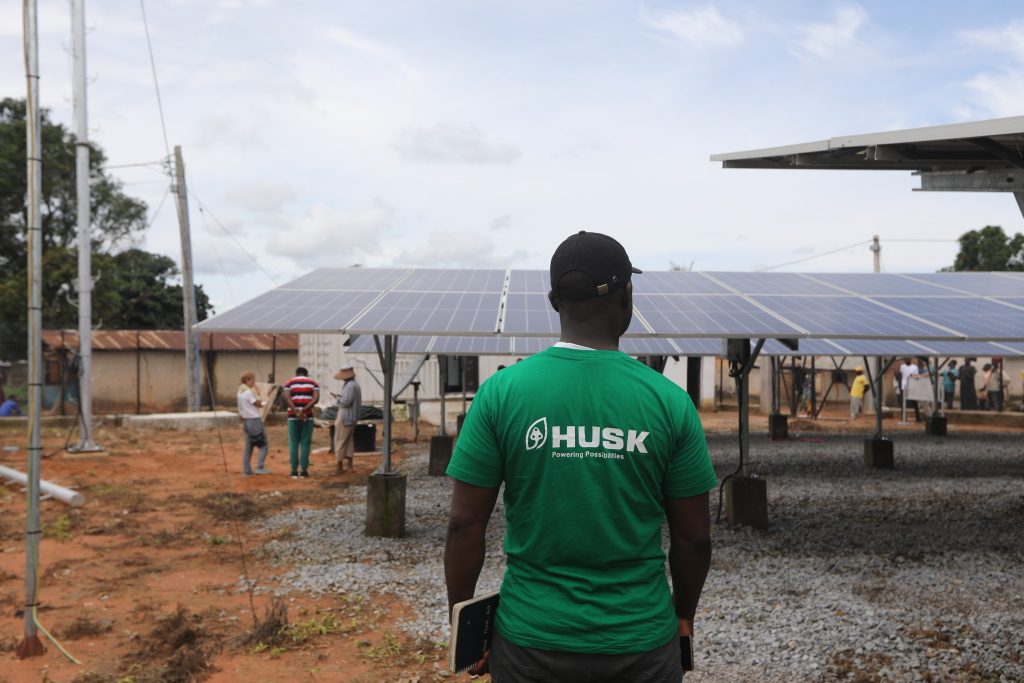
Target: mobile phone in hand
pixel 686 653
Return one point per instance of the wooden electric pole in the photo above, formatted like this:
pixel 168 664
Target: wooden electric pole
pixel 188 293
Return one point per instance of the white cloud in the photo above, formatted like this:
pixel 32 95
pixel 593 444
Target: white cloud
pixel 326 236
pixel 829 39
pixel 268 197
pixel 459 249
pixel 1001 90
pixel 502 222
pixel 449 143
pixel 341 36
pixel 700 28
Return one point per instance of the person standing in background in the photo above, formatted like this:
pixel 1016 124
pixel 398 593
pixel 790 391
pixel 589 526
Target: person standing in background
pixel 860 385
pixel 981 385
pixel 998 384
pixel 350 401
pixel 950 374
pixel 301 393
pixel 968 398
pixel 249 404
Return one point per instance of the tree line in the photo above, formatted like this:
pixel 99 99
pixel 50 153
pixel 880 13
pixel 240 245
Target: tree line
pixel 136 289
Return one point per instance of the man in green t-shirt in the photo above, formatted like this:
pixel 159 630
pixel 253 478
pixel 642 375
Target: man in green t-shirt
pixel 595 450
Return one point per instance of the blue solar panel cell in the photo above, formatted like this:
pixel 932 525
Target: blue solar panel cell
pixel 440 280
pixel 876 284
pixel 525 346
pixel 648 346
pixel 978 318
pixel 675 282
pixel 408 344
pixel 472 346
pixel 689 346
pixel 979 284
pixel 533 281
pixel 530 313
pixel 837 316
pixel 348 279
pixel 877 347
pixel 709 316
pixel 944 348
pixel 770 283
pixel 283 310
pixel 430 312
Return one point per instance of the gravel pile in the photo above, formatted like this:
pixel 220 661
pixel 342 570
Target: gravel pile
pixel 910 574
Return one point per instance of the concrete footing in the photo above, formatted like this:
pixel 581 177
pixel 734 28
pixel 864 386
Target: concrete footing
pixel 778 426
pixel 935 425
pixel 385 505
pixel 746 502
pixel 440 454
pixel 878 453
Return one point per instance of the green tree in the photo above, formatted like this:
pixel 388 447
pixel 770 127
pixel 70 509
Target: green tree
pixel 135 289
pixel 989 249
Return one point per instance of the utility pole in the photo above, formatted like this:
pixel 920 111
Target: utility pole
pixel 876 247
pixel 31 646
pixel 84 211
pixel 188 292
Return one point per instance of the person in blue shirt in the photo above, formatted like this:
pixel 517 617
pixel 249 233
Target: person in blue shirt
pixel 950 374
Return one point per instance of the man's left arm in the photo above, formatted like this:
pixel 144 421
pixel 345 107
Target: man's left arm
pixel 465 545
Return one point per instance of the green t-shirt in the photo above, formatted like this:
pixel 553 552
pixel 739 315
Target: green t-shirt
pixel 588 443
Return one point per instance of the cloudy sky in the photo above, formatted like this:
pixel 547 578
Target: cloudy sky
pixel 479 134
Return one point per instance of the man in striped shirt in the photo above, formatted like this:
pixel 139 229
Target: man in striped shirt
pixel 302 393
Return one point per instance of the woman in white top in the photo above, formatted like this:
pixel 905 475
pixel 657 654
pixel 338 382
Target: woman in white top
pixel 249 404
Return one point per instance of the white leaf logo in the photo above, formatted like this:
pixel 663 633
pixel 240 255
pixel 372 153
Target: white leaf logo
pixel 537 434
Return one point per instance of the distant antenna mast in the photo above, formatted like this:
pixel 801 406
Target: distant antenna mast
pixel 84 209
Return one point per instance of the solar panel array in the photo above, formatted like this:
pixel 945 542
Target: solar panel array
pixel 437 303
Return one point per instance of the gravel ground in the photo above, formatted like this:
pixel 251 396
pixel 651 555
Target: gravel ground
pixel 910 574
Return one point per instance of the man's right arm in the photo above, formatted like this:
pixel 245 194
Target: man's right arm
pixel 689 554
pixel 465 546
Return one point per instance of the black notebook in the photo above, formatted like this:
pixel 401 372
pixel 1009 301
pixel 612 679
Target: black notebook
pixel 472 630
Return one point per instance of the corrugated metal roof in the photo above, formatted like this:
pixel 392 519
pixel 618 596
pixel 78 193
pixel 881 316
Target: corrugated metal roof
pixel 172 340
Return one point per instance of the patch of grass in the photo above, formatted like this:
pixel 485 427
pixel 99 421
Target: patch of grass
pixel 219 540
pixel 94 677
pixel 85 626
pixel 59 529
pixel 124 496
pixel 179 649
pixel 389 648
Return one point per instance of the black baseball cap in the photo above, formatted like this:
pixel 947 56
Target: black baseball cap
pixel 599 257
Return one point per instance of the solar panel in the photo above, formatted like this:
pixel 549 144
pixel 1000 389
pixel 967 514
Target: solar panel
pixel 536 281
pixel 525 346
pixel 700 347
pixel 472 346
pixel 291 310
pixel 441 280
pixel 878 284
pixel 1011 349
pixel 430 312
pixel 348 279
pixel 980 284
pixel 807 347
pixel 648 346
pixel 877 347
pixel 702 315
pixel 978 318
pixel 676 282
pixel 853 317
pixel 409 344
pixel 771 283
pixel 942 348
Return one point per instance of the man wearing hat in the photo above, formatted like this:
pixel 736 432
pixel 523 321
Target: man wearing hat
pixel 595 450
pixel 857 389
pixel 350 400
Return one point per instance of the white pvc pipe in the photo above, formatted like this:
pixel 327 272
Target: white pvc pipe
pixel 62 494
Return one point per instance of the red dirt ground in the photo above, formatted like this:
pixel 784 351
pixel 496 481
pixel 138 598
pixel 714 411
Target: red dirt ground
pixel 155 533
